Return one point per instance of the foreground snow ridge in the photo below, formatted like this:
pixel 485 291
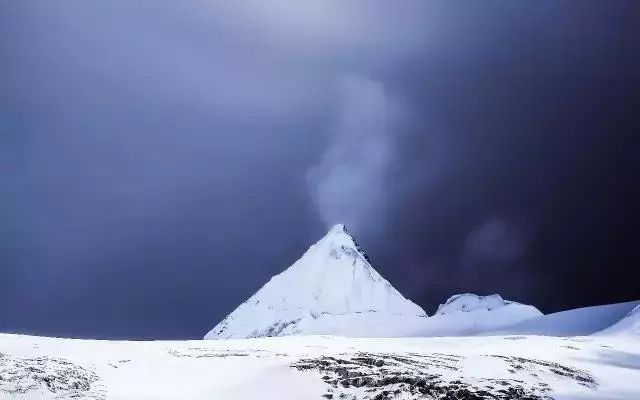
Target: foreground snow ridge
pixel 332 289
pixel 603 367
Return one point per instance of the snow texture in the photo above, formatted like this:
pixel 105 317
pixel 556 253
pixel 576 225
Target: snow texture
pixel 47 378
pixel 323 367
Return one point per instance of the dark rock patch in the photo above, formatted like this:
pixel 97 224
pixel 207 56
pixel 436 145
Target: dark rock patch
pixel 369 376
pixel 62 378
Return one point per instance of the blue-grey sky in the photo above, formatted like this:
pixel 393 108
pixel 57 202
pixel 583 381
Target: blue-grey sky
pixel 160 160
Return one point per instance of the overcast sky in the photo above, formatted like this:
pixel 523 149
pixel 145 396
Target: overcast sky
pixel 161 160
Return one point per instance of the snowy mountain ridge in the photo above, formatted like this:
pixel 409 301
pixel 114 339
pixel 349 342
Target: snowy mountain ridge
pixel 629 325
pixel 468 302
pixel 470 314
pixel 575 322
pixel 331 289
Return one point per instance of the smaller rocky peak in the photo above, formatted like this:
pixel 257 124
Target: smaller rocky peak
pixel 468 302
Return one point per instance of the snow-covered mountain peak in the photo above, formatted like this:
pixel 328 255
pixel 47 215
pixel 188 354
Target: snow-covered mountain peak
pixel 468 302
pixel 339 234
pixel 333 280
pixel 338 243
pixel 338 237
pixel 338 229
pixel 469 313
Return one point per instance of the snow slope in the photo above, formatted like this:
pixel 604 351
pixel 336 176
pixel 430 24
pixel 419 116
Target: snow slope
pixel 468 314
pixel 332 289
pixel 580 321
pixel 322 367
pixel 629 325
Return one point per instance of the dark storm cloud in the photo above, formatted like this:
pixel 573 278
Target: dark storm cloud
pixel 530 108
pixel 496 239
pixel 160 160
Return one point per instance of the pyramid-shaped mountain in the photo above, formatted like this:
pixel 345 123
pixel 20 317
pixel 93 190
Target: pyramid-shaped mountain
pixel 333 290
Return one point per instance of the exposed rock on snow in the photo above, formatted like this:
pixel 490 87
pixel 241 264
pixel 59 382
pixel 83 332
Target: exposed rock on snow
pixel 382 376
pixel 47 378
pixel 332 289
pixel 321 367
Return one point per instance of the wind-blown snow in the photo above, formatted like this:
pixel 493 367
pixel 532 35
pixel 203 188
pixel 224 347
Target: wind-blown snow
pixel 332 289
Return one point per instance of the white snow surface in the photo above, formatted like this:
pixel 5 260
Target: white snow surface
pixel 629 325
pixel 263 368
pixel 469 314
pixel 577 322
pixel 332 289
pixel 469 302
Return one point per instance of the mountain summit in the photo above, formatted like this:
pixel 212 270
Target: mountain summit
pixel 332 289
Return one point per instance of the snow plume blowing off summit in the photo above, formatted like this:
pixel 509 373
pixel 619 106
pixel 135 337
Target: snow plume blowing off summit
pixel 347 185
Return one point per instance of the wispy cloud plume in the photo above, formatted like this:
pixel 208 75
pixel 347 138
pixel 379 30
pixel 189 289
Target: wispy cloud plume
pixel 349 185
